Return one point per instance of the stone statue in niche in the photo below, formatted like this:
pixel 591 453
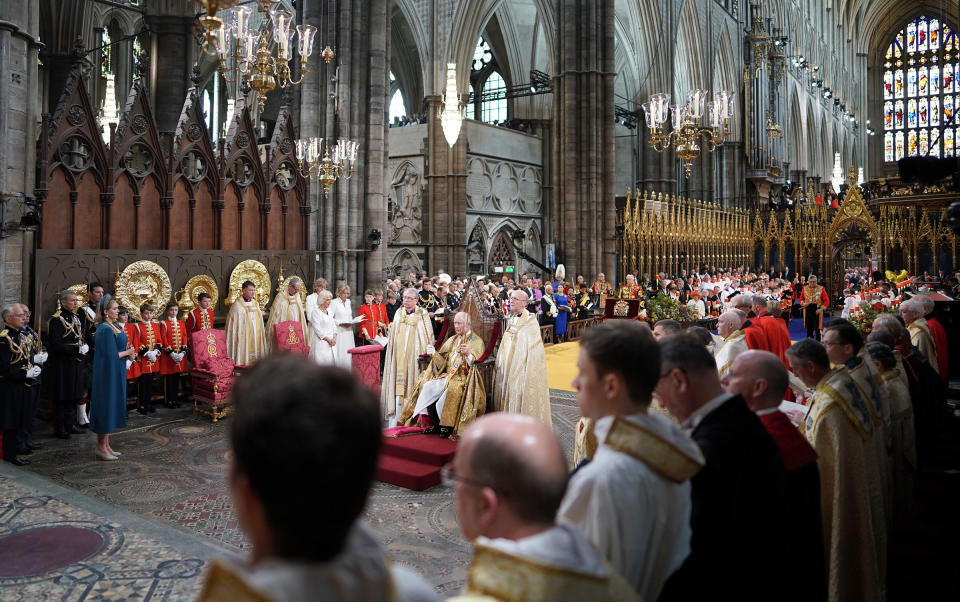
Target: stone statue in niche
pixel 405 208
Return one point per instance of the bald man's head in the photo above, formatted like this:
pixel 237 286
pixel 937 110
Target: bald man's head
pixel 760 377
pixel 519 459
pixel 729 322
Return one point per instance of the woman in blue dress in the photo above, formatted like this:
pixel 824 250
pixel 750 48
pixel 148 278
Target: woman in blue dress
pixel 563 312
pixel 108 395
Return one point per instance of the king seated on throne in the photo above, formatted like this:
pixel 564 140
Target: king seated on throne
pixel 450 390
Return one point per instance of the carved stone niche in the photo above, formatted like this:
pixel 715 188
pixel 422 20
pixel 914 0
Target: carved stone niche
pixel 405 205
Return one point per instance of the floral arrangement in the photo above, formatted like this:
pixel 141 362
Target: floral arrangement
pixel 663 307
pixel 863 315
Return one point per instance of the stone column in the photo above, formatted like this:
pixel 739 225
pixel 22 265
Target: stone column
pixel 445 214
pixel 583 199
pixel 353 106
pixel 172 55
pixel 19 106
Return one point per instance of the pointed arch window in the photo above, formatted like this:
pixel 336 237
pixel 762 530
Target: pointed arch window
pixel 920 93
pixel 398 110
pixel 493 108
pixel 488 88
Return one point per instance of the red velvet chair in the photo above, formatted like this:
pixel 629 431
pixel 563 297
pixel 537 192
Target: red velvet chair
pixel 288 337
pixel 365 361
pixel 212 373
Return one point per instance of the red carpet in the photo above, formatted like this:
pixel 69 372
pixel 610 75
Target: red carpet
pixel 414 461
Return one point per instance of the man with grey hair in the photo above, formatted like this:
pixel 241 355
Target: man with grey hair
pixel 17 374
pixel 734 340
pixel 520 376
pixel 68 347
pixel 912 312
pixel 450 391
pixel 939 336
pixel 410 335
pixel 287 307
pixel 814 300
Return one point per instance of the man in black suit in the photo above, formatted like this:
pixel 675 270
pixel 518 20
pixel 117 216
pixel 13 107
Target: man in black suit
pixel 738 519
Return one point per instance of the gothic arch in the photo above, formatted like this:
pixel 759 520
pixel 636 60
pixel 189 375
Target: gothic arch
pixel 501 251
pixel 409 52
pixel 469 21
pixel 689 66
pixel 726 72
pixel 477 249
pixel 796 127
pixel 405 261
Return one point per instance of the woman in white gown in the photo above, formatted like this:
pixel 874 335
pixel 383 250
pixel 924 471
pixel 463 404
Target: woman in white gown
pixel 323 330
pixel 343 315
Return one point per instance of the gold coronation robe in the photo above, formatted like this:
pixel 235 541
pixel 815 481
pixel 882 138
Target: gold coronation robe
pixel 733 345
pixel 465 396
pixel 840 428
pixel 246 342
pixel 286 308
pixel 410 334
pixel 520 378
pixel 498 575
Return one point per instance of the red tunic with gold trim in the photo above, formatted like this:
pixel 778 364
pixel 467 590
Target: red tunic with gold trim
pixel 174 335
pixel 199 319
pixel 133 339
pixel 149 338
pixel 374 320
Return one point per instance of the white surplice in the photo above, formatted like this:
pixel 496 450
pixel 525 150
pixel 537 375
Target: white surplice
pixel 342 313
pixel 638 519
pixel 360 572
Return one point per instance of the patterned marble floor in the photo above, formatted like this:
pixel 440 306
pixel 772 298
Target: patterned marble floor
pixel 172 475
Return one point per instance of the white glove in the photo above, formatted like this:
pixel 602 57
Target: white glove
pixel 177 357
pixel 152 355
pixel 431 350
pixel 39 358
pixel 129 363
pixel 84 349
pixel 33 371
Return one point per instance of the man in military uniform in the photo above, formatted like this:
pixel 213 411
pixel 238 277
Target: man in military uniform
pixel 17 375
pixel 39 357
pixel 66 337
pixel 429 301
pixel 90 312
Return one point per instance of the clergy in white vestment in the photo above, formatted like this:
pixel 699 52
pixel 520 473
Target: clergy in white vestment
pixel 920 337
pixel 734 340
pixel 323 330
pixel 342 314
pixel 410 334
pixel 508 477
pixel 287 307
pixel 246 342
pixel 283 409
pixel 632 500
pixel 520 377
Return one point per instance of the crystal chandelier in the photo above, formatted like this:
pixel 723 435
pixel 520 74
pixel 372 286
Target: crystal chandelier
pixel 325 168
pixel 261 58
pixel 451 115
pixel 837 179
pixel 685 120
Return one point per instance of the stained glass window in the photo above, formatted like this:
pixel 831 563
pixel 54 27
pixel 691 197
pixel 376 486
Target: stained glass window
pixel 920 92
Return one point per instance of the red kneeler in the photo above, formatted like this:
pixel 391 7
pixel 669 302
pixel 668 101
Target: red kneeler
pixel 365 361
pixel 212 374
pixel 288 337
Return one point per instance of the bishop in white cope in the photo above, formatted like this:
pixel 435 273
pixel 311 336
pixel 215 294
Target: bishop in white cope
pixel 287 307
pixel 246 342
